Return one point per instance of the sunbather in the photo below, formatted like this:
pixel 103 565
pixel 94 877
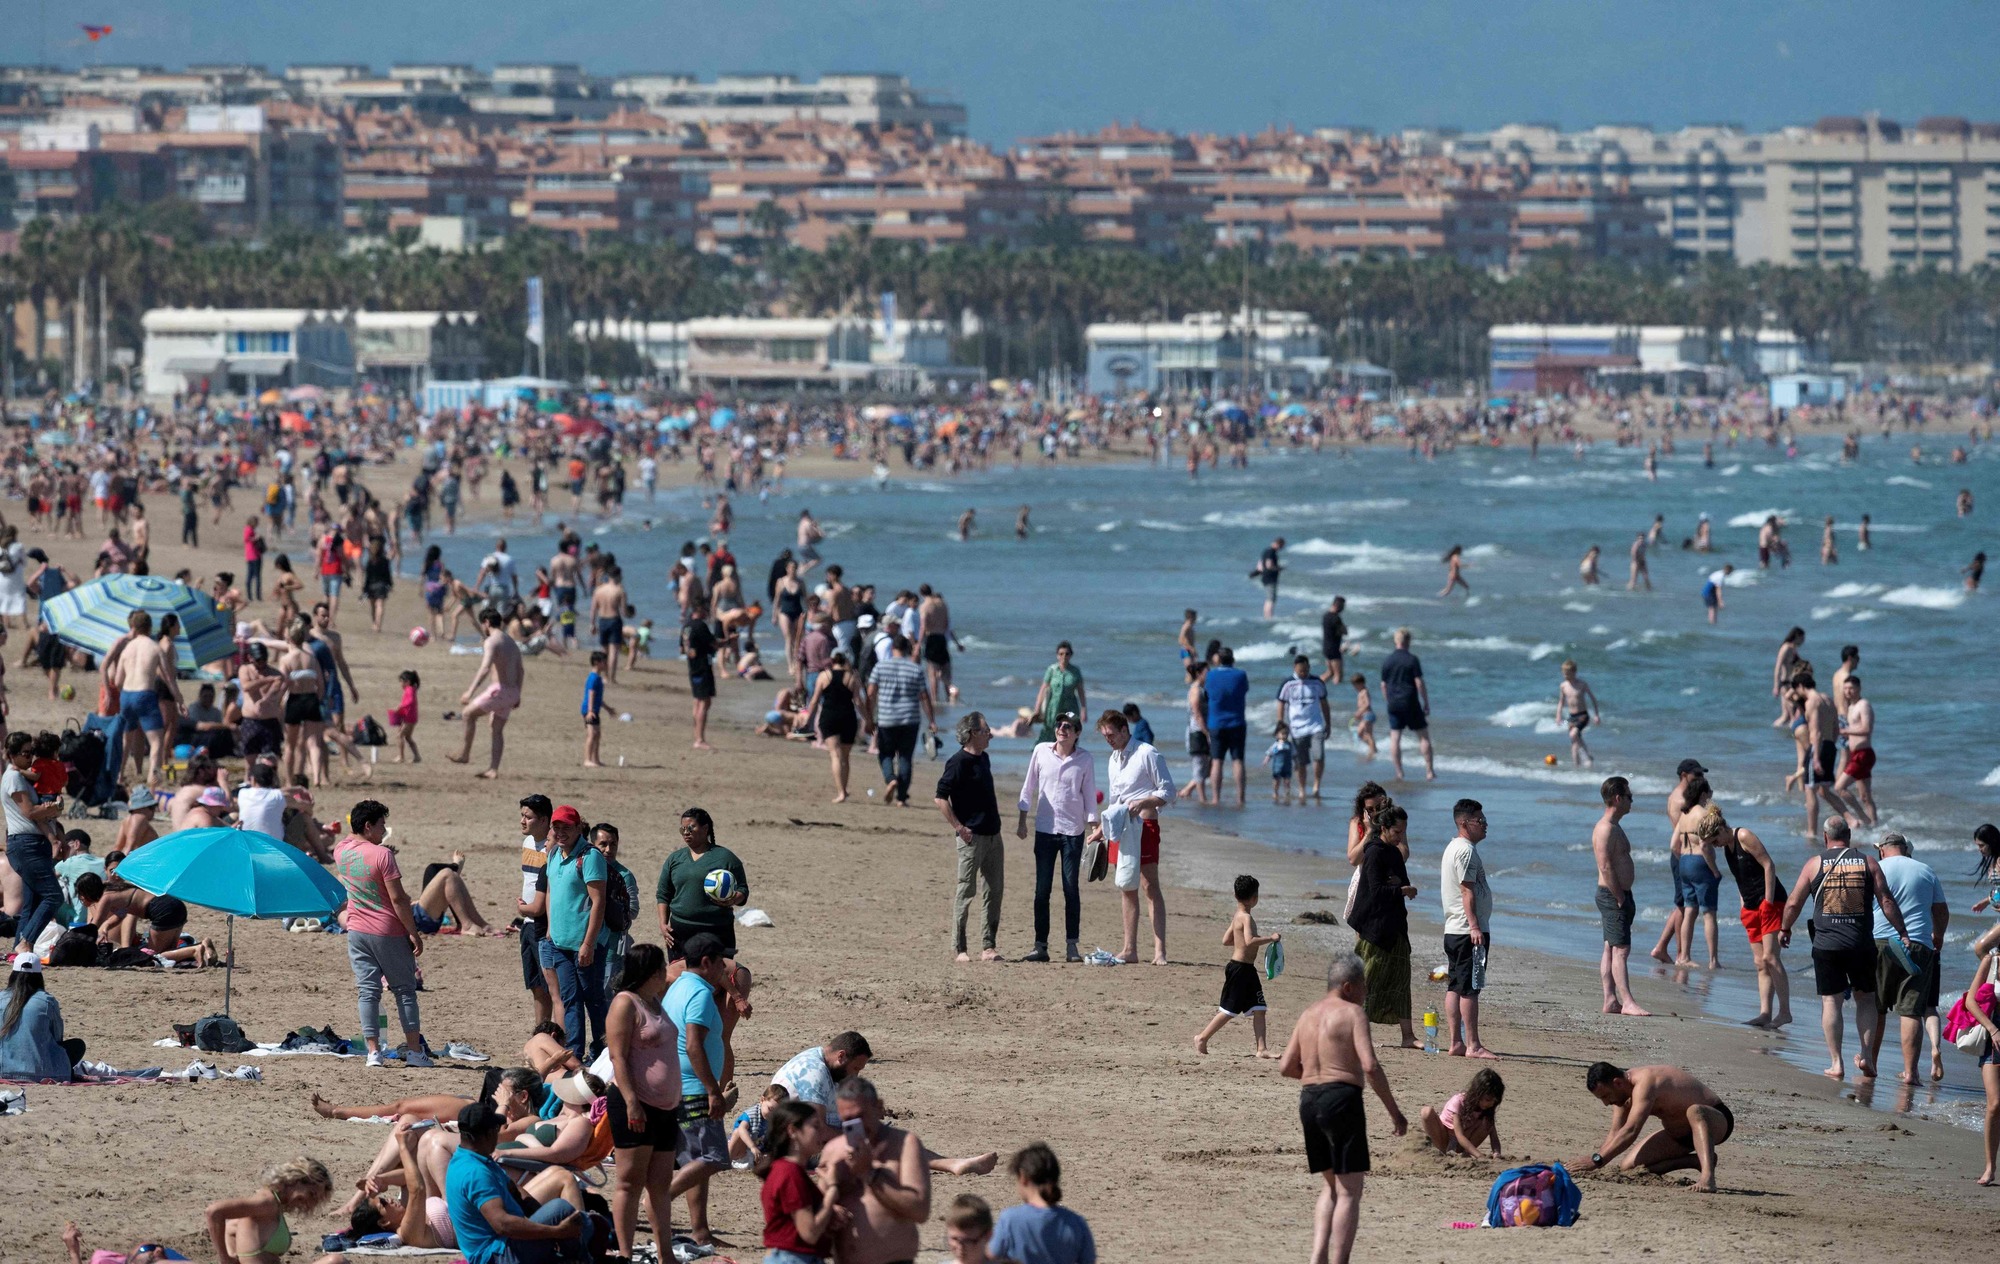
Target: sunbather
pixel 445 891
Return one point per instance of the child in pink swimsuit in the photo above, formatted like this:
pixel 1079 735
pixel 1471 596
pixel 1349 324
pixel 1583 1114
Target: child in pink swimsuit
pixel 403 718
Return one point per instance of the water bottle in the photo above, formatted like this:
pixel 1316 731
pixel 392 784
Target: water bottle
pixel 1430 1031
pixel 382 1030
pixel 1479 968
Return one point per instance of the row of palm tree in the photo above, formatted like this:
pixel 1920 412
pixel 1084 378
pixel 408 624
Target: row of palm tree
pixel 1424 318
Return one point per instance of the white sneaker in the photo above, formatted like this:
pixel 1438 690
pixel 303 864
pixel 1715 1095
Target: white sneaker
pixel 459 1051
pixel 374 1057
pixel 199 1070
pixel 416 1058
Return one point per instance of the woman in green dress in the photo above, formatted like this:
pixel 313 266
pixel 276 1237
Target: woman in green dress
pixel 1062 690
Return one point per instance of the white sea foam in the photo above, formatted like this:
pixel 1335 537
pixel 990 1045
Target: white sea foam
pixel 1262 652
pixel 1500 645
pixel 1863 616
pixel 1480 766
pixel 1620 643
pixel 1847 591
pixel 1155 524
pixel 1537 715
pixel 1280 515
pixel 1483 550
pixel 1825 612
pixel 1755 518
pixel 1991 778
pixel 1904 480
pixel 1925 597
pixel 1731 471
pixel 1112 525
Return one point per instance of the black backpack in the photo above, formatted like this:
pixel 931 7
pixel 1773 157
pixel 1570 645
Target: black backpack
pixel 617 904
pixel 219 1033
pixel 369 733
pixel 83 751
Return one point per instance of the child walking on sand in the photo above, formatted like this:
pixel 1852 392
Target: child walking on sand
pixel 1279 760
pixel 593 711
pixel 1467 1119
pixel 1241 992
pixel 403 718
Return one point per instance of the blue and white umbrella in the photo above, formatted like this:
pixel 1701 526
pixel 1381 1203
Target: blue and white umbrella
pixel 94 615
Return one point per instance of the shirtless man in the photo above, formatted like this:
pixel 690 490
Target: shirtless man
pixel 965 525
pixel 501 671
pixel 1654 532
pixel 934 624
pixel 1857 725
pixel 562 592
pixel 1822 727
pixel 1704 539
pixel 807 548
pixel 1782 671
pixel 144 675
pixel 1185 638
pixel 1850 658
pixel 607 620
pixel 1021 524
pixel 1576 708
pixel 1771 540
pixel 1693 1121
pixel 1677 806
pixel 1331 1055
pixel 1639 571
pixel 1615 904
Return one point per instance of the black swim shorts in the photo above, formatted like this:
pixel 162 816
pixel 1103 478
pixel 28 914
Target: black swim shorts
pixel 1836 970
pixel 1336 1128
pixel 1228 743
pixel 1617 917
pixel 1824 764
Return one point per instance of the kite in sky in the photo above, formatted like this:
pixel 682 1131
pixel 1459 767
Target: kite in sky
pixel 95 33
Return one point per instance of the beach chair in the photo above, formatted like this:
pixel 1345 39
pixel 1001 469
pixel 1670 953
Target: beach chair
pixel 588 1166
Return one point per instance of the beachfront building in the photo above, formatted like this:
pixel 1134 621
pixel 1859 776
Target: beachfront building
pixel 1669 359
pixel 244 351
pixel 1205 353
pixel 402 351
pixel 662 344
pixel 1558 359
pixel 823 353
pixel 868 100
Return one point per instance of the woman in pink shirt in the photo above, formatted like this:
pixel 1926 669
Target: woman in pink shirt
pixel 382 940
pixel 644 1046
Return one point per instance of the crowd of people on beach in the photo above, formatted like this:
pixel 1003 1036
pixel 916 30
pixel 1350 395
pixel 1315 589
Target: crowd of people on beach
pixel 630 1059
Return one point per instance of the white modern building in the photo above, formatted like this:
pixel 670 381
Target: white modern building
pixel 245 351
pixel 1206 352
pixel 1672 359
pixel 800 353
pixel 870 100
pixel 403 351
pixel 662 344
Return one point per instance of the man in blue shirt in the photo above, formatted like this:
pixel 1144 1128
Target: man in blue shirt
pixel 486 1215
pixel 707 1063
pixel 593 711
pixel 1228 690
pixel 575 945
pixel 1907 982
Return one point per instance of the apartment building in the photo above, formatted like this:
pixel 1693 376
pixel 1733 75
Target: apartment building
pixel 851 100
pixel 1592 220
pixel 1871 194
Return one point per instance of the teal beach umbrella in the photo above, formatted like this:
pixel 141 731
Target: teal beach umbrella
pixel 243 873
pixel 94 615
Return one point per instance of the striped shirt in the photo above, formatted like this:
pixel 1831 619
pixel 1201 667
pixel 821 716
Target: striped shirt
pixel 899 691
pixel 534 863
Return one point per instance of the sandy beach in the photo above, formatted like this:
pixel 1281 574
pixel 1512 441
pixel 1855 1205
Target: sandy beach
pixel 1168 1154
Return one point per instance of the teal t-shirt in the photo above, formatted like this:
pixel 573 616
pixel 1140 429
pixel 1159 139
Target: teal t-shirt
pixel 692 1000
pixel 470 1181
pixel 569 895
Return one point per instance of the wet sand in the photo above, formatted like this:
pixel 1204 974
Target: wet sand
pixel 1167 1153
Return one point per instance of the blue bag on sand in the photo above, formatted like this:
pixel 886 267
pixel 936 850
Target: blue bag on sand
pixel 1540 1194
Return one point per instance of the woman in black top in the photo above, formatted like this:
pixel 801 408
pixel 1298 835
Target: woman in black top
pixel 1763 908
pixel 377 578
pixel 837 721
pixel 1381 921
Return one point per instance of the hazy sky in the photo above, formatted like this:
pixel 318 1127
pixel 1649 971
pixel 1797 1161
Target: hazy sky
pixel 1027 66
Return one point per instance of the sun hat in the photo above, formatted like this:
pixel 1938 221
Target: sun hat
pixel 214 797
pixel 142 798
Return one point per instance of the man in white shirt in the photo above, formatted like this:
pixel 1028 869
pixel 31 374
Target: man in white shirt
pixel 1061 790
pixel 1308 718
pixel 497 577
pixel 1138 781
pixel 1468 919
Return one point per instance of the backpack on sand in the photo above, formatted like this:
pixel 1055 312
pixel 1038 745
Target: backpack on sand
pixel 1539 1195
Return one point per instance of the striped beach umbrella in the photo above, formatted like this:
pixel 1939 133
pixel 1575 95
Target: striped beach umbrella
pixel 91 616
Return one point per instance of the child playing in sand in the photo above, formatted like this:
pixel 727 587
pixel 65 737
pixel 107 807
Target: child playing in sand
pixel 1364 714
pixel 746 1140
pixel 1279 760
pixel 593 711
pixel 1467 1119
pixel 968 1226
pixel 1241 992
pixel 403 718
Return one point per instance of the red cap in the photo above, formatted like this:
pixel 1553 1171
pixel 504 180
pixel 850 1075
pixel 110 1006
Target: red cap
pixel 566 815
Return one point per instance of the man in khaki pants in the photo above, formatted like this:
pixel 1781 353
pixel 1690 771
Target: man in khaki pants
pixel 965 796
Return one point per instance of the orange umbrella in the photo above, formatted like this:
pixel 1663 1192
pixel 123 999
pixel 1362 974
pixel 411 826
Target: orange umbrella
pixel 273 396
pixel 294 422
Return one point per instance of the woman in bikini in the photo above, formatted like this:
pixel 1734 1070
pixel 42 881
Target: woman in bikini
pixel 305 716
pixel 253 1228
pixel 1454 566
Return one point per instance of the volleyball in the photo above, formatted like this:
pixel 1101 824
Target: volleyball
pixel 1550 760
pixel 420 636
pixel 719 885
pixel 69 693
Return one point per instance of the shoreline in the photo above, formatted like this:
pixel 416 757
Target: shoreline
pixel 972 1057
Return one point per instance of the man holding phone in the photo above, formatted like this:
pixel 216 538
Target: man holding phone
pixel 884 1182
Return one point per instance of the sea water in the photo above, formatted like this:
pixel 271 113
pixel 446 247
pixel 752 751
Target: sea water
pixel 1118 550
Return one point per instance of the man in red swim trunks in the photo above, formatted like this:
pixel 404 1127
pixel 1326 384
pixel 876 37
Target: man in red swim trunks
pixel 1857 725
pixel 1138 780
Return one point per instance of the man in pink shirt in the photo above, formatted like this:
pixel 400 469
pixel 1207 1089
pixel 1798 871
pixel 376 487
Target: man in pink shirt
pixel 382 940
pixel 1061 790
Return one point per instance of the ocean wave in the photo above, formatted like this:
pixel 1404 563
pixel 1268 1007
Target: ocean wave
pixel 1731 471
pixel 1824 612
pixel 1755 518
pixel 1863 616
pixel 1279 515
pixel 1992 778
pixel 1904 480
pixel 1263 652
pixel 1481 766
pixel 1620 643
pixel 1925 597
pixel 1537 715
pixel 1112 525
pixel 1843 591
pixel 1155 524
pixel 1483 550
pixel 1578 606
pixel 1499 644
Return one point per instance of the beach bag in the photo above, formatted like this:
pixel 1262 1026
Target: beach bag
pixel 77 947
pixel 369 733
pixel 83 751
pixel 219 1033
pixel 1538 1195
pixel 1964 1030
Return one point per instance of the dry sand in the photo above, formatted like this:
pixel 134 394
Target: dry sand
pixel 1170 1155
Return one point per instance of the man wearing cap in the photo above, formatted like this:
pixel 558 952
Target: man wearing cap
pixel 577 939
pixel 1906 980
pixel 533 905
pixel 1677 807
